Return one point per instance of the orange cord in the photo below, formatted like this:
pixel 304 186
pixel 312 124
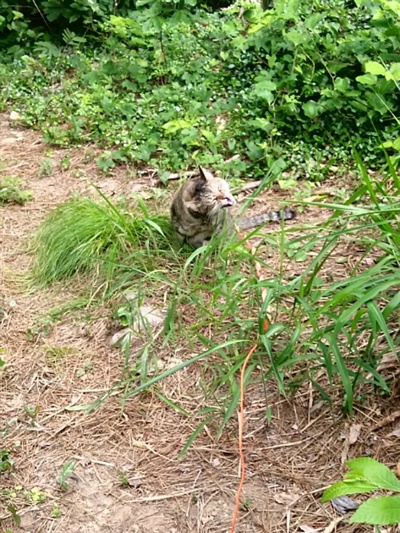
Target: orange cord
pixel 265 326
pixel 241 454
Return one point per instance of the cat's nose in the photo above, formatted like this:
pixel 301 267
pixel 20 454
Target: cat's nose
pixel 228 200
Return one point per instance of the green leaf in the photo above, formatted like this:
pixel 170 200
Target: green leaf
pixel 312 109
pixel 342 84
pixel 209 135
pixel 392 144
pixel 382 511
pixel 395 71
pixel 313 20
pixel 194 435
pixel 264 89
pixel 373 67
pixel 297 37
pixel 374 472
pixel 14 513
pixel 367 79
pixel 343 488
pixel 174 125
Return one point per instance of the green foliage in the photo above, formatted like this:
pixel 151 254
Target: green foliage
pixel 12 191
pixel 66 472
pixel 21 24
pixel 45 167
pixel 56 512
pixel 6 462
pixel 283 87
pixel 35 496
pixel 366 475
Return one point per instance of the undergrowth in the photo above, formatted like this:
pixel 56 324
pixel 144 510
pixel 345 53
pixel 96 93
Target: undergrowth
pixel 332 332
pixel 241 89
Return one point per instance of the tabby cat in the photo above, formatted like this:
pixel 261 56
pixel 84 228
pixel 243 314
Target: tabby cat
pixel 201 206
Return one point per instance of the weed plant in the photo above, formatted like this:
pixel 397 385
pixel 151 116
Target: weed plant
pixel 12 191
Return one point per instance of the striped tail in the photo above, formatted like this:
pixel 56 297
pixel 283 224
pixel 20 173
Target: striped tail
pixel 271 216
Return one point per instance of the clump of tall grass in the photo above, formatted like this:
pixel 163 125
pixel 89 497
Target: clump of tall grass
pixel 82 235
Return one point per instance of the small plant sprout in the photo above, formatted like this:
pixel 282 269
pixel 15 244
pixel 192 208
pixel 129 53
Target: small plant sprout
pixel 65 474
pixel 31 412
pixel 35 495
pixel 6 462
pixel 56 511
pixel 45 167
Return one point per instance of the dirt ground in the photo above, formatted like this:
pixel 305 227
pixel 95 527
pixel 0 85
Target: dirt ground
pixel 128 477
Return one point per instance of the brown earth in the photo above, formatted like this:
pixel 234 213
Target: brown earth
pixel 128 476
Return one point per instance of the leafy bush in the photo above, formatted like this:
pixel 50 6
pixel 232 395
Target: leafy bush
pixel 290 87
pixel 26 21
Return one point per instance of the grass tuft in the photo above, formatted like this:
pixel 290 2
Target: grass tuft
pixel 82 235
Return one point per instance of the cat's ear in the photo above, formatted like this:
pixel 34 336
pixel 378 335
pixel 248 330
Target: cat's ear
pixel 205 174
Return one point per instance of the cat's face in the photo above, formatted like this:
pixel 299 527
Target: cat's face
pixel 214 192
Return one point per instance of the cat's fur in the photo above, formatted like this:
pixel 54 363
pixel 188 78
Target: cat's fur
pixel 202 204
pixel 197 209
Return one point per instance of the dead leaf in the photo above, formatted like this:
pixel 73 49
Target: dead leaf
pixel 286 498
pixel 308 529
pixel 14 116
pixel 389 360
pixel 134 482
pixel 354 433
pixel 344 504
pixel 147 317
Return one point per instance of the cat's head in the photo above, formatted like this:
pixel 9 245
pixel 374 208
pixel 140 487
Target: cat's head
pixel 213 192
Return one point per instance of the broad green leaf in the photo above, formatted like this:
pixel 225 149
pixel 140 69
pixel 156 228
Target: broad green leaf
pixel 367 79
pixel 382 511
pixel 313 20
pixel 392 144
pixel 343 488
pixel 342 84
pixel 312 109
pixel 174 125
pixel 374 472
pixel 336 66
pixel 296 37
pixel 395 71
pixel 373 67
pixel 209 135
pixel 264 89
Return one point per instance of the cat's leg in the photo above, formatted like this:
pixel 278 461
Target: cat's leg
pixel 201 239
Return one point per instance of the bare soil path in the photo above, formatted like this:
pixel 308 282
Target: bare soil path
pixel 128 477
